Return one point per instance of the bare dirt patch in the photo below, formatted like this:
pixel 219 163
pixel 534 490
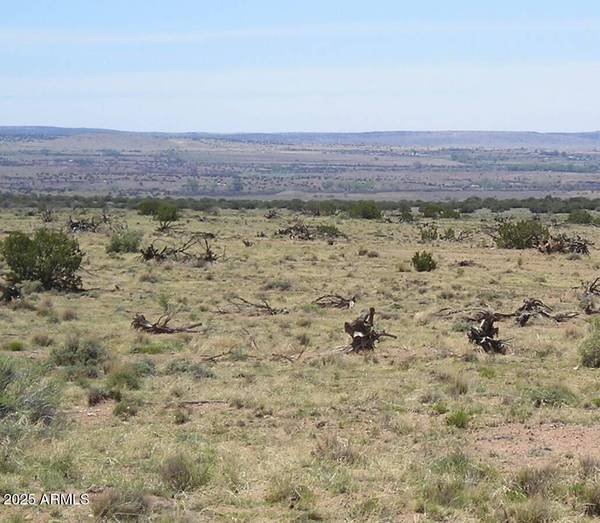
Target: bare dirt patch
pixel 517 445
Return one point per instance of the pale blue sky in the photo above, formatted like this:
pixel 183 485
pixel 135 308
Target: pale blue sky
pixel 334 65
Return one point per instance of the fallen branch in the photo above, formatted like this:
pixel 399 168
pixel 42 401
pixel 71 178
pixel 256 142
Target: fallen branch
pixel 160 326
pixel 182 252
pixel 563 244
pixel 263 307
pixel 201 402
pixel 297 231
pixel 83 225
pixel 531 308
pixel 292 359
pixel 335 301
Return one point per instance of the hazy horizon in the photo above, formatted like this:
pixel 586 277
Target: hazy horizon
pixel 291 132
pixel 262 68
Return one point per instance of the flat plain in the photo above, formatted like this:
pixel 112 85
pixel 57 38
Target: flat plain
pixel 383 166
pixel 261 417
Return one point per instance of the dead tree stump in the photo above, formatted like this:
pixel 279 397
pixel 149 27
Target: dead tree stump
pixel 363 333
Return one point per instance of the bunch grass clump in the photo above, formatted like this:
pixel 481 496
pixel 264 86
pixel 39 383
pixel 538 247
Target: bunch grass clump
pixel 589 350
pixel 424 262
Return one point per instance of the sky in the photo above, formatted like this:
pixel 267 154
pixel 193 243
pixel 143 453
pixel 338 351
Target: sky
pixel 277 66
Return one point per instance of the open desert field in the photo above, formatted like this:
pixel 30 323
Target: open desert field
pixel 259 412
pixel 383 166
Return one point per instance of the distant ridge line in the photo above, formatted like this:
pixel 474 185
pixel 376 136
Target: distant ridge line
pixel 510 139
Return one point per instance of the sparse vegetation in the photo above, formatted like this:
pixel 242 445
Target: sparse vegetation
pixel 343 425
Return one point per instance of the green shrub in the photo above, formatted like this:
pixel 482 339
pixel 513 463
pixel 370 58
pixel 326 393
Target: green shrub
pixel 556 396
pixel 523 234
pixel 15 346
pixel 127 408
pixel 124 241
pixel 183 366
pixel 367 210
pixel 50 257
pixel 166 214
pixel 423 262
pixel 80 357
pixel 148 207
pixel 438 210
pixel 580 216
pixel 589 350
pixel 329 231
pixel 157 347
pixel 125 377
pixel 145 367
pixel 406 216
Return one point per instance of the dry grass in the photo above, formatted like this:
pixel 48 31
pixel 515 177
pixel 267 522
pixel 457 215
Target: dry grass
pixel 331 436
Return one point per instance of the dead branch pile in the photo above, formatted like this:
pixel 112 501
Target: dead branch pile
pixel 83 225
pixel 485 336
pixel 209 256
pixel 335 301
pixel 363 333
pixel 564 244
pixel 531 308
pixel 116 226
pixel 152 253
pixel 259 308
pixel 160 326
pixel 297 231
pixel 47 215
pixel 180 252
pixel 9 292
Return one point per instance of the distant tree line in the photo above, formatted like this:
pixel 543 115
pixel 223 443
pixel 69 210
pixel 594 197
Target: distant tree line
pixel 368 209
